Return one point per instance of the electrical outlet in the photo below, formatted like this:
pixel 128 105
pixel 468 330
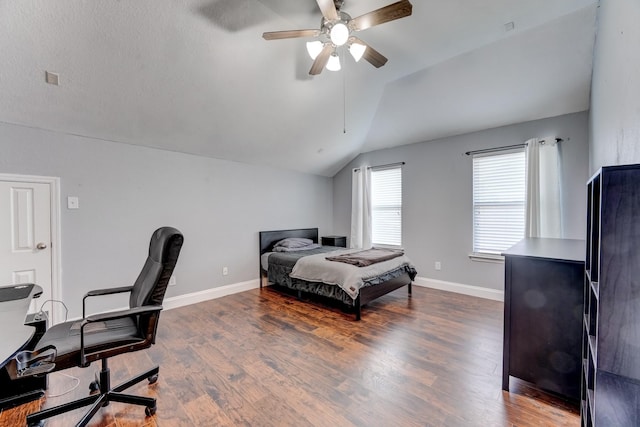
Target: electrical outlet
pixel 438 265
pixel 172 281
pixel 225 271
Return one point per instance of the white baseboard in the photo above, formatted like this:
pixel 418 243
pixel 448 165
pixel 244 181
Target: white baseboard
pixel 459 288
pixel 208 294
pixel 196 297
pixel 219 292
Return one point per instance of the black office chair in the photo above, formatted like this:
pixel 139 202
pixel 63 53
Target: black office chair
pixel 100 336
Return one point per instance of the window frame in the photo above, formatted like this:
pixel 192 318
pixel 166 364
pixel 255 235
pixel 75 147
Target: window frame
pixel 495 256
pixel 391 207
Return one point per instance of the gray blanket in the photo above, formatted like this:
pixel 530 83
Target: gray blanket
pixel 367 257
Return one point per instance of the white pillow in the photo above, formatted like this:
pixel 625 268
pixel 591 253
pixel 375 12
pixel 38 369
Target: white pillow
pixel 293 242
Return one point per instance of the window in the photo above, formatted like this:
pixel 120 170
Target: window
pixel 386 206
pixel 499 193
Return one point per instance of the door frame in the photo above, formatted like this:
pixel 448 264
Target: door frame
pixel 56 246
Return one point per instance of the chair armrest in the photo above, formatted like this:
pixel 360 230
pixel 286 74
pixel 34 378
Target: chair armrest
pixel 101 317
pixel 100 292
pixel 108 291
pixel 111 316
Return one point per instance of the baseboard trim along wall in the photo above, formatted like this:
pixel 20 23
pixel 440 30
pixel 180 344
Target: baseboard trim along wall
pixel 459 288
pixel 196 297
pixel 209 294
pixel 221 291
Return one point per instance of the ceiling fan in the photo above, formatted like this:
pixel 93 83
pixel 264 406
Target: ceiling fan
pixel 336 30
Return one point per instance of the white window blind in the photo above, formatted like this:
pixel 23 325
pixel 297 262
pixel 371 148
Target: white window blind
pixel 386 206
pixel 499 194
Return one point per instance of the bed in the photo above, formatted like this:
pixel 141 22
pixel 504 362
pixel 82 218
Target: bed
pixel 276 268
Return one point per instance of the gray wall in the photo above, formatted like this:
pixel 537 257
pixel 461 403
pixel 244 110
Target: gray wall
pixel 126 192
pixel 437 195
pixel 615 88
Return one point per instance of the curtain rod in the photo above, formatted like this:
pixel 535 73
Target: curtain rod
pixel 507 147
pixel 390 165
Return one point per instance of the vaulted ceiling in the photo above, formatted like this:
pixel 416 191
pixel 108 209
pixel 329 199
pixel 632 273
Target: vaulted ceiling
pixel 195 76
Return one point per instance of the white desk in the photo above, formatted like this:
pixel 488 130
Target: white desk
pixel 14 334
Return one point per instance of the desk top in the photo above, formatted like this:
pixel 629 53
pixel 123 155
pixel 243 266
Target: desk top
pixel 568 250
pixel 14 304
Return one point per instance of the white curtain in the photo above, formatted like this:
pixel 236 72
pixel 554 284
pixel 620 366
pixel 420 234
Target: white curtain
pixel 543 210
pixel 360 209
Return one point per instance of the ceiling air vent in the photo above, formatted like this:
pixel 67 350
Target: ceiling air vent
pixel 51 78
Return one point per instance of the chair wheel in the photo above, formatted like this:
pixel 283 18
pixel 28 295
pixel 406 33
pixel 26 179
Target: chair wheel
pixel 150 410
pixel 94 386
pixel 153 378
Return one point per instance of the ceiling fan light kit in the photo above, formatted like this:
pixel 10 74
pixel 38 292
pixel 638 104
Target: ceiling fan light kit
pixel 336 30
pixel 314 48
pixel 339 34
pixel 334 63
pixel 357 50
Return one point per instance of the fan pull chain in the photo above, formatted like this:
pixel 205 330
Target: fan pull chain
pixel 344 94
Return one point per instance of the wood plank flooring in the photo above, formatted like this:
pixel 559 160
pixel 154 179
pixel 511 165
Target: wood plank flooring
pixel 262 358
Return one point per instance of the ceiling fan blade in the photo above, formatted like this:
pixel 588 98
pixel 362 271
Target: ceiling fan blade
pixel 388 13
pixel 321 60
pixel 291 34
pixel 328 9
pixel 374 57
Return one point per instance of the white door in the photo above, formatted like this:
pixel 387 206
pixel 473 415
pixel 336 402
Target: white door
pixel 25 237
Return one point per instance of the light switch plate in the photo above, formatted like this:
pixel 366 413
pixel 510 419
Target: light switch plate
pixel 73 202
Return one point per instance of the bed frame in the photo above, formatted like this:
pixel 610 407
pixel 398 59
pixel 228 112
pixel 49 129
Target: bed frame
pixel 367 294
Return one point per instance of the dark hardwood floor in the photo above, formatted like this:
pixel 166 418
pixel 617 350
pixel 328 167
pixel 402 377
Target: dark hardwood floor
pixel 262 358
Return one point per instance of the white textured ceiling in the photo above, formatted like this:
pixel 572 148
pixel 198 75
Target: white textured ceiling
pixel 197 77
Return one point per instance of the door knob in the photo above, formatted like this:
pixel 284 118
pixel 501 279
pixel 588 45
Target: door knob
pixel 41 246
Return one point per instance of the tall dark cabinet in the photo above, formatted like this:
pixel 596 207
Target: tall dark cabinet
pixel 610 394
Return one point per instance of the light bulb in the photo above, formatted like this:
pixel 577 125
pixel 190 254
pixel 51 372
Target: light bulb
pixel 339 34
pixel 357 50
pixel 334 63
pixel 314 48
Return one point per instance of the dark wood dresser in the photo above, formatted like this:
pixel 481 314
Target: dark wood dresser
pixel 543 306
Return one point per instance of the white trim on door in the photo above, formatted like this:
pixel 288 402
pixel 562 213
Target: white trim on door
pixel 56 246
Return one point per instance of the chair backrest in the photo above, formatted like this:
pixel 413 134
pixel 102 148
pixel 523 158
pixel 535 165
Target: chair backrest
pixel 151 285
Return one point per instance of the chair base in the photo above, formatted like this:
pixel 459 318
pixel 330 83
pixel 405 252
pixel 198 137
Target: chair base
pixel 98 400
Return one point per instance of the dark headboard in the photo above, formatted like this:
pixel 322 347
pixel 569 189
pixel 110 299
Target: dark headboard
pixel 269 238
